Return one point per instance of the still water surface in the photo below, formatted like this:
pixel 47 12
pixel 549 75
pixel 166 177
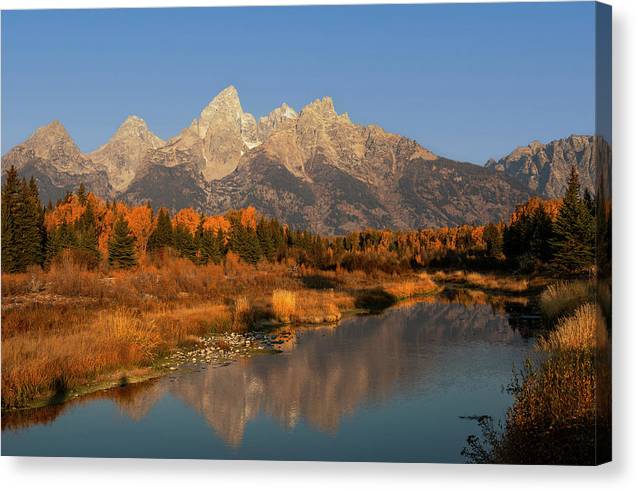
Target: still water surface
pixel 389 387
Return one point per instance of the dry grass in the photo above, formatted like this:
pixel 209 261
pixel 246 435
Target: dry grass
pixel 18 284
pixel 38 362
pixel 242 314
pixel 316 307
pixel 409 288
pixel 283 305
pixel 183 324
pixel 564 297
pixel 584 330
pixel 70 326
pixel 306 307
pixel 485 281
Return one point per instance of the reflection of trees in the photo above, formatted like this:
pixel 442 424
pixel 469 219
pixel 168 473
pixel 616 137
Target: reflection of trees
pixel 329 371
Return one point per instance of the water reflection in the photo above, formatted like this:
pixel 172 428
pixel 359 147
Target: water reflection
pixel 325 374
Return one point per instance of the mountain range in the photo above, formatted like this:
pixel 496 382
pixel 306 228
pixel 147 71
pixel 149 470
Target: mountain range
pixel 314 168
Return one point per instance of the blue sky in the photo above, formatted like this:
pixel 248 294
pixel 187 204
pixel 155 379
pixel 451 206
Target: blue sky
pixel 468 81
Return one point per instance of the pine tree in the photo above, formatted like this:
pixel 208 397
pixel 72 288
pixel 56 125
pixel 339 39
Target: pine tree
pixel 184 242
pixel 22 224
pixel 245 242
pixel 540 236
pixel 574 234
pixel 211 246
pixel 11 223
pixel 35 227
pixel 121 247
pixel 87 237
pixel 265 235
pixel 162 236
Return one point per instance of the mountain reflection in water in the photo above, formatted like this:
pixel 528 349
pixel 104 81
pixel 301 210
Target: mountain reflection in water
pixel 415 351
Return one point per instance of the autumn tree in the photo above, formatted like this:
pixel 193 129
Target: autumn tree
pixel 140 221
pixel 121 246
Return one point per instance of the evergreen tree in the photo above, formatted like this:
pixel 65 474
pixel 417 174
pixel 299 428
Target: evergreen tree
pixel 121 247
pixel 589 201
pixel 22 224
pixel 540 236
pixel 162 236
pixel 265 234
pixel 12 211
pixel 184 242
pixel 245 242
pixel 211 246
pixel 574 234
pixel 35 224
pixel 87 237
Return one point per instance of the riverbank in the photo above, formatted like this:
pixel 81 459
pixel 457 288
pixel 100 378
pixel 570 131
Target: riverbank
pixel 68 331
pixel 562 405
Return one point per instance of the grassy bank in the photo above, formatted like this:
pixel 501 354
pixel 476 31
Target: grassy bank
pixel 68 327
pixel 494 282
pixel 562 406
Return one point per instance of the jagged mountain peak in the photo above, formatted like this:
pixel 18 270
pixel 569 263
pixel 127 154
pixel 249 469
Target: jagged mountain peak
pixel 277 118
pixel 124 153
pixel 544 167
pixel 52 141
pixel 230 92
pixel 55 129
pixel 225 104
pixel 51 156
pixel 283 111
pixel 135 128
pixel 323 106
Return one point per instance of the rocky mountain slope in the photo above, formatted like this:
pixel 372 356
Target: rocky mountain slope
pixel 51 156
pixel 544 168
pixel 321 170
pixel 122 155
pixel 313 168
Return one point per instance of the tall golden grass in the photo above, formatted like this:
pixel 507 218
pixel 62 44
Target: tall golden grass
pixel 483 280
pixel 284 305
pixel 407 288
pixel 564 297
pixel 584 330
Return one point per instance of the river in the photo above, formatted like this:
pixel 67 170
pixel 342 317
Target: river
pixel 390 387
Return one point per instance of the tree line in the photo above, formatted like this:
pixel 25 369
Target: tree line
pixel 541 234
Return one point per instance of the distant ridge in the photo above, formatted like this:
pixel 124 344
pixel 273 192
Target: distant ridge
pixel 313 168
